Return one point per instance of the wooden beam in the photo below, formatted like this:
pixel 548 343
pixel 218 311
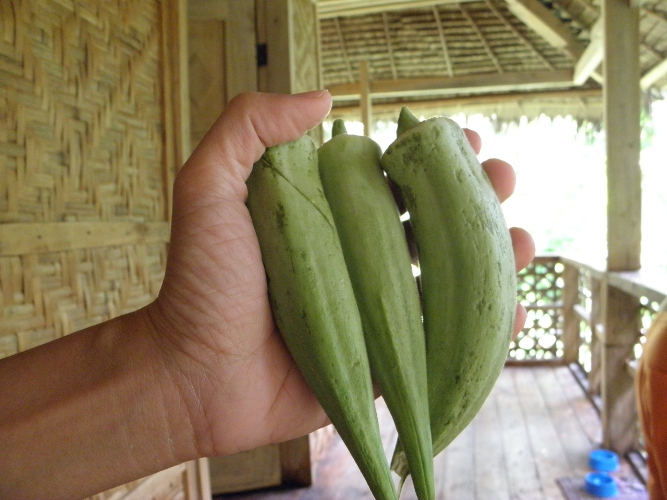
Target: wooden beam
pixel 175 93
pixel 545 23
pixel 591 58
pixel 47 237
pixel 571 321
pixel 240 48
pixel 470 84
pixel 653 75
pixel 344 8
pixel 474 100
pixel 648 283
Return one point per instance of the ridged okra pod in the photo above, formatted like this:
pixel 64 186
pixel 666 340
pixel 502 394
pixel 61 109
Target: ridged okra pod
pixel 468 276
pixel 380 267
pixel 312 299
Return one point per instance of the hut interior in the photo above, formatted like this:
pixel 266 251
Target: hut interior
pixel 102 101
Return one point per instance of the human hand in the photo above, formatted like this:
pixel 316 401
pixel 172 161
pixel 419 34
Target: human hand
pixel 212 319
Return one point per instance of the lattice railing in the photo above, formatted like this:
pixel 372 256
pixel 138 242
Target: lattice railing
pixel 583 315
pixel 587 287
pixel 540 290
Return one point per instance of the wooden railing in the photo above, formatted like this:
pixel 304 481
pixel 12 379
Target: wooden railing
pixel 596 321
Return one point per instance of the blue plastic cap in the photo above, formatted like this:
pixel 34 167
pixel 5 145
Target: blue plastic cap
pixel 601 484
pixel 603 460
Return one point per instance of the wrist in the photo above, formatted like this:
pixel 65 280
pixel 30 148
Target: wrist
pixel 181 378
pixel 172 393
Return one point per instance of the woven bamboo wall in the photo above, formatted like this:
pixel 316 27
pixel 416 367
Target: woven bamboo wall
pixel 81 141
pixel 87 157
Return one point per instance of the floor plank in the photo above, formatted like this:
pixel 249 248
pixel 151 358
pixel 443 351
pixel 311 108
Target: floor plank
pixel 537 425
pixel 584 411
pixel 548 454
pixel 574 440
pixel 458 467
pixel 490 475
pixel 522 477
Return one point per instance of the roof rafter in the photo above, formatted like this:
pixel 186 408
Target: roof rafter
pixel 543 21
pixel 516 33
pixel 343 49
pixel 482 39
pixel 653 14
pixel 390 51
pixel 591 57
pixel 443 41
pixel 654 74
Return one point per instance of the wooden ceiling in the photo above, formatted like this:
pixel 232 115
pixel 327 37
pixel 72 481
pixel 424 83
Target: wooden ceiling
pixel 424 49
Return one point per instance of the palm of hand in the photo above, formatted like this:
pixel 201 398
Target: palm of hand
pixel 235 375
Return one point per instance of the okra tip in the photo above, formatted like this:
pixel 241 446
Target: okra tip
pixel 406 120
pixel 338 127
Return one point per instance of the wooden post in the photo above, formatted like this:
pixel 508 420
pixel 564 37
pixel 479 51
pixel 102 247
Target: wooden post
pixel 288 30
pixel 571 320
pixel 622 107
pixel 365 97
pixel 619 412
pixel 621 94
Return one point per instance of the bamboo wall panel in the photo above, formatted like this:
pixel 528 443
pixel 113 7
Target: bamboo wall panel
pixel 81 142
pixel 81 134
pixel 89 110
pixel 46 296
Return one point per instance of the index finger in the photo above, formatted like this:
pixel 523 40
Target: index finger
pixel 475 140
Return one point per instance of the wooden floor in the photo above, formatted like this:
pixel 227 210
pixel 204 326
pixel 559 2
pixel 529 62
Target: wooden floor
pixel 535 427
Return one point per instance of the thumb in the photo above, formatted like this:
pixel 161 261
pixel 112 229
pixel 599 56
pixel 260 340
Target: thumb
pixel 250 123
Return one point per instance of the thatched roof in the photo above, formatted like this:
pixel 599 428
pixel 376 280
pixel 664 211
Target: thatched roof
pixel 435 51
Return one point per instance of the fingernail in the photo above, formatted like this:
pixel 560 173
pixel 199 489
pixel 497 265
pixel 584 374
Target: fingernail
pixel 314 94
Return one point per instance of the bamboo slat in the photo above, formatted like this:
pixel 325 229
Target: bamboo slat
pixel 24 238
